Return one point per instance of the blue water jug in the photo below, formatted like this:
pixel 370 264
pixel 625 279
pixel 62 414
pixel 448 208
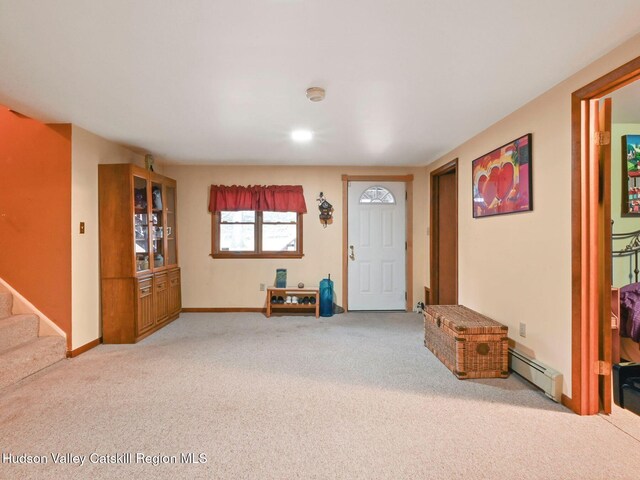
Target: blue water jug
pixel 326 297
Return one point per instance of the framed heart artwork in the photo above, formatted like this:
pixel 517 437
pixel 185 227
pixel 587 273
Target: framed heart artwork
pixel 502 180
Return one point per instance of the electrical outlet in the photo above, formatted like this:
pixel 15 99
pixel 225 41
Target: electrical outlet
pixel 523 329
pixel 262 287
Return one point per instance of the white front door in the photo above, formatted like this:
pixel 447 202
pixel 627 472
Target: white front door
pixel 377 248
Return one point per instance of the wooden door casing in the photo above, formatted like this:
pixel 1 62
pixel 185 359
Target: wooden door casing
pixel 376 233
pixel 444 235
pixel 602 152
pixel 589 267
pixel 447 239
pixel 408 180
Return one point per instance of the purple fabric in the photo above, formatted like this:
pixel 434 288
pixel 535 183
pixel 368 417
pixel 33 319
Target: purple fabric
pixel 630 311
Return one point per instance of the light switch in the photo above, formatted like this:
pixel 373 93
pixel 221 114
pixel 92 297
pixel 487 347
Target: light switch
pixel 81 228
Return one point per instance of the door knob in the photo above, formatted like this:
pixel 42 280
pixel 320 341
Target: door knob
pixel 352 255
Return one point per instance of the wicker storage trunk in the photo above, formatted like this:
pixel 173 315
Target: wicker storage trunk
pixel 468 343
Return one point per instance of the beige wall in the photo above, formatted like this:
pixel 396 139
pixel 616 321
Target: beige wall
pixel 88 150
pixel 621 266
pixel 216 283
pixel 517 268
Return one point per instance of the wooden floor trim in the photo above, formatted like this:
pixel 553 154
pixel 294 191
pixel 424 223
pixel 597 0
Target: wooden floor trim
pixel 84 348
pixel 567 402
pixel 223 309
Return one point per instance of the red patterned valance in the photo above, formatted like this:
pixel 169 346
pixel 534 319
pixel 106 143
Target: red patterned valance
pixel 271 198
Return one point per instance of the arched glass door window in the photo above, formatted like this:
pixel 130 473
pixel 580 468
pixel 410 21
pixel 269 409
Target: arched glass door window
pixel 377 194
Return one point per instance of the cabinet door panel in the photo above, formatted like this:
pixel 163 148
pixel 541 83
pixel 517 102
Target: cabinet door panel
pixel 172 234
pixel 141 222
pixel 145 317
pixel 161 294
pixel 175 298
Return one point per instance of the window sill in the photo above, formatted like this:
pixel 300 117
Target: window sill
pixel 257 255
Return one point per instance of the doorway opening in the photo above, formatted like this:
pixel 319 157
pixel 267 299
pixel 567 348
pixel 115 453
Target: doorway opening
pixel 371 279
pixel 591 241
pixel 444 235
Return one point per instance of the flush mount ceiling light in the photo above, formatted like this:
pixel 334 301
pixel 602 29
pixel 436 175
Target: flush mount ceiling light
pixel 315 94
pixel 302 135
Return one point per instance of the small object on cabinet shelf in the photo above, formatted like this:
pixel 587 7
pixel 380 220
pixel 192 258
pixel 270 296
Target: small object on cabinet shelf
pixel 158 260
pixel 300 285
pixel 156 196
pixel 140 200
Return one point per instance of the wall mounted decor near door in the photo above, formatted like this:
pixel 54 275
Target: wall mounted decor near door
pixel 502 180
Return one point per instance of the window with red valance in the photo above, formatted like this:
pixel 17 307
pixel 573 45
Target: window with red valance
pixel 272 198
pixel 256 221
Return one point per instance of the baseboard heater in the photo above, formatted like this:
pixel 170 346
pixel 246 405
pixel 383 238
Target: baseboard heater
pixel 546 378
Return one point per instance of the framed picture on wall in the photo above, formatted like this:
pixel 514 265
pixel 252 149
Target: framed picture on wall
pixel 631 176
pixel 502 179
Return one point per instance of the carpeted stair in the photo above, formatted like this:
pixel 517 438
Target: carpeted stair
pixel 22 351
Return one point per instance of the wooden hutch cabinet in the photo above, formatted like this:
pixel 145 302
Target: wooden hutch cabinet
pixel 139 274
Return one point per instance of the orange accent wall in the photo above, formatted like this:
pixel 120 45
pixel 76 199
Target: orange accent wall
pixel 35 213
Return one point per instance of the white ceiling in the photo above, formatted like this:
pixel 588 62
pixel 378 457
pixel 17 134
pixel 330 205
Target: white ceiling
pixel 203 81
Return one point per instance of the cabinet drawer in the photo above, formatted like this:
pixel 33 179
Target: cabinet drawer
pixel 160 281
pixel 145 287
pixel 174 275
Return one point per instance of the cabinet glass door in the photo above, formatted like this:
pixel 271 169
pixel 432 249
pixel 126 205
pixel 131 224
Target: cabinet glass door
pixel 157 227
pixel 141 223
pixel 172 256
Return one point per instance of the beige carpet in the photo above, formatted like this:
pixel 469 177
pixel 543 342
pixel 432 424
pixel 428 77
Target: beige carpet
pixel 353 396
